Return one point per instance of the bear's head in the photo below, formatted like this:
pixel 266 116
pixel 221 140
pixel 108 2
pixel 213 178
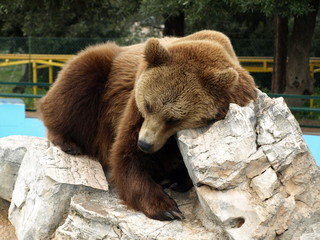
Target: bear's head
pixel 186 85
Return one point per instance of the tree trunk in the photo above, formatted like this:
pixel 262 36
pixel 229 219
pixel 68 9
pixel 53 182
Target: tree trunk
pixel 280 55
pixel 299 80
pixel 174 25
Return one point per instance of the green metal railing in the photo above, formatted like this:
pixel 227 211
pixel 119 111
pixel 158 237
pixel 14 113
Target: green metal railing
pixel 23 95
pixel 303 114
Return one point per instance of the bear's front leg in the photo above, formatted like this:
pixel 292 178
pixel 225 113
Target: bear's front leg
pixel 130 176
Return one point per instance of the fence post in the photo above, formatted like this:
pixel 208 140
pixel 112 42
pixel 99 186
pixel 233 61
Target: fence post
pixel 34 77
pixel 50 70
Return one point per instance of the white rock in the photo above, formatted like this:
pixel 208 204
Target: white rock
pixel 46 181
pixel 12 151
pixel 265 184
pixel 102 216
pixel 258 163
pixel 312 233
pixel 218 153
pixel 49 179
pixel 276 122
pixel 233 210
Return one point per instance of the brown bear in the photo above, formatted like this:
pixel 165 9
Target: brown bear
pixel 123 105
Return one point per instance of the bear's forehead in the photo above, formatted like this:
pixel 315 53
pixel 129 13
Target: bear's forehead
pixel 172 98
pixel 170 75
pixel 169 88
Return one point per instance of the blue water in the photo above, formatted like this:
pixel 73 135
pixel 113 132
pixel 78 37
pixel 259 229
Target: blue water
pixel 313 142
pixel 14 122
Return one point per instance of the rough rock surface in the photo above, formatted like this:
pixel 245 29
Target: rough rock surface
pixel 6 229
pixel 101 216
pixel 58 196
pixel 254 178
pixel 254 173
pixel 46 180
pixel 12 151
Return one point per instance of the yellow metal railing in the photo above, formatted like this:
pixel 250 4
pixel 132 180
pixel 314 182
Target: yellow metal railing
pixel 38 61
pixel 257 64
pixel 265 64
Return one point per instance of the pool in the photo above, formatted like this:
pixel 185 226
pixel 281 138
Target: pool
pixel 313 142
pixel 14 122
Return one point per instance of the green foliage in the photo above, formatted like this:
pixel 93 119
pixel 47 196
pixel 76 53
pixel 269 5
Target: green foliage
pixel 165 7
pixel 118 19
pixel 115 18
pixel 273 7
pixel 209 14
pixel 66 18
pixel 9 74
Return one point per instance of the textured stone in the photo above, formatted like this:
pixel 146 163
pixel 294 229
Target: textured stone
pixel 47 179
pixel 258 164
pixel 312 233
pixel 219 153
pixel 7 231
pixel 232 209
pixel 100 215
pixel 265 184
pixel 271 188
pixel 12 151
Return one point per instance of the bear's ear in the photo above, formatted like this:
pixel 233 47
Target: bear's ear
pixel 155 53
pixel 223 80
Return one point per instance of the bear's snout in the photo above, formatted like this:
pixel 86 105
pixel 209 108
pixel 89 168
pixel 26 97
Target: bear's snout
pixel 145 147
pixel 153 134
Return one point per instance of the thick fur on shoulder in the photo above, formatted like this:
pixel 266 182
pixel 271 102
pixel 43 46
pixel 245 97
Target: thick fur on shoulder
pixel 72 107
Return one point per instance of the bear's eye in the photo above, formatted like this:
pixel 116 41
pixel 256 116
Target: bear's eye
pixel 147 107
pixel 172 121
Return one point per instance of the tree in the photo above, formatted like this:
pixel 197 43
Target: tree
pixel 174 25
pixel 279 73
pixel 297 79
pixel 188 16
pixel 66 18
pixel 171 13
pixel 42 21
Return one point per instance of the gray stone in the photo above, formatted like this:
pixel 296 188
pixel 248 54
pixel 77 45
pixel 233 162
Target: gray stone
pixel 7 231
pixel 312 233
pixel 58 196
pixel 47 179
pixel 265 184
pixel 219 153
pixel 254 172
pixel 232 209
pixel 12 151
pixel 101 215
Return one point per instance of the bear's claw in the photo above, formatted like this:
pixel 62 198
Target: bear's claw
pixel 168 215
pixel 174 215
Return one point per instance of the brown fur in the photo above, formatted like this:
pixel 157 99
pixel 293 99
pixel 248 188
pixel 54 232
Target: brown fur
pixel 108 99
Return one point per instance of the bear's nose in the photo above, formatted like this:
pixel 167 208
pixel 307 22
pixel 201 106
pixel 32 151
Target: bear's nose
pixel 146 147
